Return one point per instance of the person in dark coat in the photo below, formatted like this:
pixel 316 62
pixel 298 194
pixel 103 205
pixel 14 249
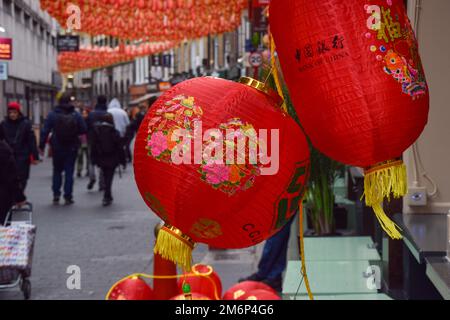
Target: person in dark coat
pixel 107 152
pixel 19 135
pixel 66 125
pixel 95 116
pixel 10 183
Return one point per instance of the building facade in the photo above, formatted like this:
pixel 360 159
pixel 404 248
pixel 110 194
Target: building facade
pixel 33 79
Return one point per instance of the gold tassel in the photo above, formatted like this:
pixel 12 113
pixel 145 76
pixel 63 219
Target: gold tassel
pixel 276 76
pixel 380 182
pixel 174 246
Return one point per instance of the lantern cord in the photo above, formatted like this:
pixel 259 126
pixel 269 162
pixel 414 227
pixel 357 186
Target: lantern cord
pixel 381 182
pixel 302 252
pixel 175 276
pixel 276 76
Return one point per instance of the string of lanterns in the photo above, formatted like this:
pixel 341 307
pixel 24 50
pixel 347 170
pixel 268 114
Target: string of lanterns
pixel 152 20
pixel 93 57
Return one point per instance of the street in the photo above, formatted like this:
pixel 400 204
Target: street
pixel 107 244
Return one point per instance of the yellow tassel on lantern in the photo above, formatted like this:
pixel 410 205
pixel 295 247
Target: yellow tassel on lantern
pixel 380 182
pixel 174 246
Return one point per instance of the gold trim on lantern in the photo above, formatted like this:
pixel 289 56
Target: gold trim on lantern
pixel 383 165
pixel 179 234
pixel 262 87
pixel 204 274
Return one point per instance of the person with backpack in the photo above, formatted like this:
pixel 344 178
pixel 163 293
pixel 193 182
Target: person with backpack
pixel 95 116
pixel 107 152
pixel 18 133
pixel 66 125
pixel 10 182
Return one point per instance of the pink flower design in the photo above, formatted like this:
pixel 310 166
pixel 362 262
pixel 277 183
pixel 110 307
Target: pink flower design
pixel 158 143
pixel 216 173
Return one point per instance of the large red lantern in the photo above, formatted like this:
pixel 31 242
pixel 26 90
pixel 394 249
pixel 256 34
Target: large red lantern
pixel 202 164
pixel 241 290
pixel 133 288
pixel 356 80
pixel 204 280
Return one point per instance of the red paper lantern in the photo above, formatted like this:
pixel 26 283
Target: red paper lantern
pixel 193 296
pixel 226 204
pixel 260 295
pixel 357 82
pixel 204 280
pixel 131 289
pixel 240 290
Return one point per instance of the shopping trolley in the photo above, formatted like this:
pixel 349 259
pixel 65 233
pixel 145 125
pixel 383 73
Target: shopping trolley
pixel 16 249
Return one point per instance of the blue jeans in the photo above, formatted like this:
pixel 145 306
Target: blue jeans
pixel 64 161
pixel 274 257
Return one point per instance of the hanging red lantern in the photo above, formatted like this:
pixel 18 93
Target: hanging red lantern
pixel 131 289
pixel 240 290
pixel 260 295
pixel 357 82
pixel 202 164
pixel 204 280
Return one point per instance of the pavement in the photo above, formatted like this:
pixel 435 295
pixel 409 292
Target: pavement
pixel 106 244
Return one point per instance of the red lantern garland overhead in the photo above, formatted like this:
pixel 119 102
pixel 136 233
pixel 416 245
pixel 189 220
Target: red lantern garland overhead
pixel 226 204
pixel 152 20
pixel 93 57
pixel 356 80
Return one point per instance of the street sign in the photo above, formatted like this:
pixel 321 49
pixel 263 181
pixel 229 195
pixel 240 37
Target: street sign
pixel 6 48
pixel 68 43
pixel 256 59
pixel 3 71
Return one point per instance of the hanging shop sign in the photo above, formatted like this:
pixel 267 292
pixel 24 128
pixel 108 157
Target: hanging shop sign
pixel 68 43
pixel 6 47
pixel 3 71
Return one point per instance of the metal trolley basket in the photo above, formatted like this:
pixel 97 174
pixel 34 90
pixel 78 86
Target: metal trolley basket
pixel 16 249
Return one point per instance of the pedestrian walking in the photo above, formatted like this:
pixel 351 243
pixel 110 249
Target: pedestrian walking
pixel 121 120
pixel 107 152
pixel 10 183
pixel 101 109
pixel 66 125
pixel 83 152
pixel 19 135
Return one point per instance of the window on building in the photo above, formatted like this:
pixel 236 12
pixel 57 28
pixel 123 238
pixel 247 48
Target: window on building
pixel 18 14
pixel 42 32
pixel 27 20
pixel 7 6
pixel 35 27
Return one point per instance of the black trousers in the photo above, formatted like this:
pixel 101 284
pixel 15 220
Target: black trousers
pixel 108 174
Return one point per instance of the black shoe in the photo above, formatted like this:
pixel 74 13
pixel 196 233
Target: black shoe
pixel 253 277
pixel 55 201
pixel 107 202
pixel 68 201
pixel 79 175
pixel 90 186
pixel 275 284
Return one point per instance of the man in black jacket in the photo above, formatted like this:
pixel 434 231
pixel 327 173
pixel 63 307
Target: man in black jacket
pixel 101 109
pixel 107 152
pixel 10 187
pixel 66 125
pixel 19 135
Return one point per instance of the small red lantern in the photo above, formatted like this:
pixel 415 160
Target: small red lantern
pixel 202 164
pixel 192 296
pixel 131 289
pixel 203 280
pixel 357 82
pixel 260 295
pixel 243 289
